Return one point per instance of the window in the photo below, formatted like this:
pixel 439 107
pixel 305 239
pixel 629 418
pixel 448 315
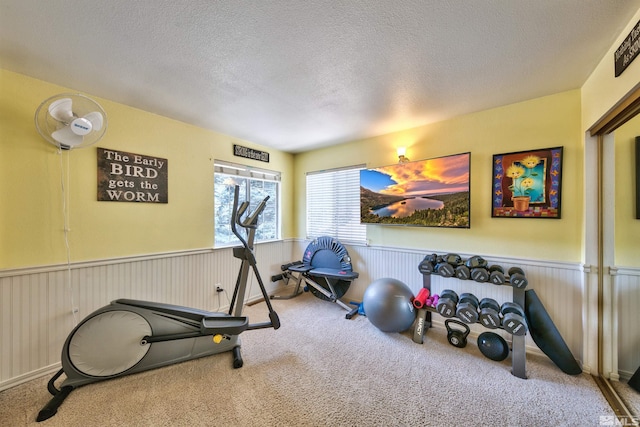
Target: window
pixel 255 184
pixel 333 205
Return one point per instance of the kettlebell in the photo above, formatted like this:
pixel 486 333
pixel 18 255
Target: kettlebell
pixel 457 337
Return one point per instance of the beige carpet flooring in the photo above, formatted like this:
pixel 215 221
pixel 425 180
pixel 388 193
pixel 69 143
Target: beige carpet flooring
pixel 320 369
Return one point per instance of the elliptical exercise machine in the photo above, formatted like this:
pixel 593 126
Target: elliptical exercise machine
pixel 130 336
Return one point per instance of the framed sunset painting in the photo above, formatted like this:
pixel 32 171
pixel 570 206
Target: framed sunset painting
pixel 424 193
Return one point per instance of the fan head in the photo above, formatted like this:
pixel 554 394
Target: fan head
pixel 71 120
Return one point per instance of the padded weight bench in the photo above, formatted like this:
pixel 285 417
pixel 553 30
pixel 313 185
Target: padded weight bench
pixel 326 271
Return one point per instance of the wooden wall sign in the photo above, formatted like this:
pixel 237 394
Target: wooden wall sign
pixel 129 177
pixel 250 153
pixel 628 50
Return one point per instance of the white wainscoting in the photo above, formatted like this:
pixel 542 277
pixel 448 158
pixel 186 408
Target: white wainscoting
pixel 627 292
pixel 36 308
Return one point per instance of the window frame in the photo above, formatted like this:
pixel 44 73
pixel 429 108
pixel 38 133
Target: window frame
pixel 249 175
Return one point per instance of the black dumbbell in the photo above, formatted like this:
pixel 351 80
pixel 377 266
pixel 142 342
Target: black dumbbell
pixel 513 318
pixel 445 269
pixel 496 275
pixel 447 303
pixel 447 265
pixel 517 278
pixel 478 268
pixel 427 265
pixel 489 313
pixel 476 261
pixel 453 259
pixel 467 309
pixel 480 274
pixel 463 272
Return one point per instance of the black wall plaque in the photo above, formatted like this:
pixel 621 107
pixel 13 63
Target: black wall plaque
pixel 129 177
pixel 628 50
pixel 250 153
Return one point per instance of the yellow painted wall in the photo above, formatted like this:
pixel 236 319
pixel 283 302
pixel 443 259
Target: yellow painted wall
pixel 627 227
pixel 31 220
pixel 540 123
pixel 603 89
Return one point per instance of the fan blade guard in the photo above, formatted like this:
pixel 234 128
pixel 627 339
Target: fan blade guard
pixel 71 120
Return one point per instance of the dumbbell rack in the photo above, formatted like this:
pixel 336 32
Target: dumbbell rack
pixel 518 354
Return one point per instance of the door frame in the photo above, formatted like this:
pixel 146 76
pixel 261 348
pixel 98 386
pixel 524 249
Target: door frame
pixel 600 304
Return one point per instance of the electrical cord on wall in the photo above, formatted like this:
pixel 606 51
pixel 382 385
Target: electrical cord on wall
pixel 65 218
pixel 221 290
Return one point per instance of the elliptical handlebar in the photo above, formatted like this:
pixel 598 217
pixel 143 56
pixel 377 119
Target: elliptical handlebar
pixel 252 219
pixel 248 259
pixel 243 207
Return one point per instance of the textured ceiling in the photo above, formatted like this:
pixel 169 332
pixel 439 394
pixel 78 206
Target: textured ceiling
pixel 297 75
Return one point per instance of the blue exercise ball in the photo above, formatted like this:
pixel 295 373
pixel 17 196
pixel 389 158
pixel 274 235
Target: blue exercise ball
pixel 388 305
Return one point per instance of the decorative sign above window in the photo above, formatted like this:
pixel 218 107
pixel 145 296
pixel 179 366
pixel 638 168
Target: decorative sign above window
pixel 128 177
pixel 250 153
pixel 628 50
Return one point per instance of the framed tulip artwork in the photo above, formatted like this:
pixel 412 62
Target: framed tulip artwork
pixel 527 184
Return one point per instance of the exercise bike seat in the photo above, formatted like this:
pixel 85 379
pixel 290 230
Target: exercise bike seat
pixel 333 273
pixel 299 268
pixel 325 270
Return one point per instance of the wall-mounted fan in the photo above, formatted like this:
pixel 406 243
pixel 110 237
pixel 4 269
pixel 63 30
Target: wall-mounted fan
pixel 71 121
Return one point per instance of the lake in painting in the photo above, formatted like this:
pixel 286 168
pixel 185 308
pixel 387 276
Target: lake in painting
pixel 406 208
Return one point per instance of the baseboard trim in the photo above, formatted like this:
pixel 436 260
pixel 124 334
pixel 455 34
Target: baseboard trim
pixel 16 381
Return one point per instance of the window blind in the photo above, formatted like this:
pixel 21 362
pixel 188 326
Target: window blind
pixel 333 205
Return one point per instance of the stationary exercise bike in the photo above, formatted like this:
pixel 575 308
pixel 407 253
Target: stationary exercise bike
pixel 130 336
